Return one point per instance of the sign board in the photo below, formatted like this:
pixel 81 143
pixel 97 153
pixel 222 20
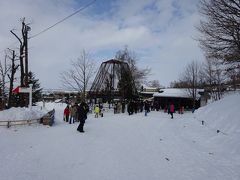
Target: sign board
pixel 25 90
pixel 16 90
pixel 22 90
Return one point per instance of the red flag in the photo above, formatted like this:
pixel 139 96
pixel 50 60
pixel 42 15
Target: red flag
pixel 16 90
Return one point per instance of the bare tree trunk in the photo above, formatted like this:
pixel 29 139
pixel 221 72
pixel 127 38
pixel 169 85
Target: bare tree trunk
pixel 3 72
pixel 23 55
pixel 191 79
pixel 11 77
pixel 78 77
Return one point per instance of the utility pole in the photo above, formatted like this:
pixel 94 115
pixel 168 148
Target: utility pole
pixel 26 29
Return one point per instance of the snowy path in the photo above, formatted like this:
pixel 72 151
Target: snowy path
pixel 117 147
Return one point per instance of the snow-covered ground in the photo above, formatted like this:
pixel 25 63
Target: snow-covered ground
pixel 122 147
pixel 18 114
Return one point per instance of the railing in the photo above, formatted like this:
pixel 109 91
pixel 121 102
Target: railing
pixel 10 123
pixel 47 119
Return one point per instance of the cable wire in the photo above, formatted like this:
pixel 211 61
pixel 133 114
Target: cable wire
pixel 67 17
pixel 80 9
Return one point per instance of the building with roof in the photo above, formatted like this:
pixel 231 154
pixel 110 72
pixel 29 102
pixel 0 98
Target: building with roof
pixel 147 92
pixel 180 98
pixel 54 94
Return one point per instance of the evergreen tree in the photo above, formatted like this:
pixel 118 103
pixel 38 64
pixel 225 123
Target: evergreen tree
pixel 125 84
pixel 37 90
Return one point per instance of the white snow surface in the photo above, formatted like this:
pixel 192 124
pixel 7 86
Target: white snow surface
pixel 123 147
pixel 15 114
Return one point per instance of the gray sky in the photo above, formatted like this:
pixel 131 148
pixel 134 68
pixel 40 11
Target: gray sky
pixel 160 32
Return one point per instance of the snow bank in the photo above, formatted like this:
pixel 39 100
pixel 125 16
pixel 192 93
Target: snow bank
pixel 222 115
pixel 14 114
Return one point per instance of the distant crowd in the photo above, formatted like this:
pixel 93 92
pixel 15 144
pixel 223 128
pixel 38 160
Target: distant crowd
pixel 78 112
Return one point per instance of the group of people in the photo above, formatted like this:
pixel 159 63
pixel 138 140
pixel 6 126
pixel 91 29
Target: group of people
pixel 119 107
pixel 170 109
pixel 140 106
pixel 76 113
pixel 70 114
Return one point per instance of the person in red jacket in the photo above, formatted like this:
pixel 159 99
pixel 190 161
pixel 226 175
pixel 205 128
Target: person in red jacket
pixel 171 110
pixel 66 113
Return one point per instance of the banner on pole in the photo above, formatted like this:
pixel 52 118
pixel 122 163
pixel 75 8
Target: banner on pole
pixel 22 90
pixel 25 90
pixel 16 90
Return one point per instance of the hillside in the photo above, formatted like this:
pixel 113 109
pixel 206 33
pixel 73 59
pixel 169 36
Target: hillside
pixel 223 115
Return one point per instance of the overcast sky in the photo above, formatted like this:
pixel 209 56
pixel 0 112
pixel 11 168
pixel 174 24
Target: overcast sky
pixel 160 32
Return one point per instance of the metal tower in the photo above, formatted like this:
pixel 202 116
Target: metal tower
pixel 113 80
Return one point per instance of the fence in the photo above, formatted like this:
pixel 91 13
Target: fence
pixel 10 123
pixel 48 119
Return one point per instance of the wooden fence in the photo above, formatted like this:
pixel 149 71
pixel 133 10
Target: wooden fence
pixel 48 119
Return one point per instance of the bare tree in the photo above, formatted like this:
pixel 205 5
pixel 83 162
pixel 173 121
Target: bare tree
pixel 78 77
pixel 233 73
pixel 11 76
pixel 155 84
pixel 4 69
pixel 213 75
pixel 22 41
pixel 190 78
pixel 179 84
pixel 219 81
pixel 208 76
pixel 23 57
pixel 138 74
pixel 220 29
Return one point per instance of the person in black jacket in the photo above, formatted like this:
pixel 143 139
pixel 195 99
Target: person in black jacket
pixel 82 115
pixel 146 107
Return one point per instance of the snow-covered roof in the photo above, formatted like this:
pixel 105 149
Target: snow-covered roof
pixel 176 92
pixel 143 92
pixel 50 91
pixel 150 88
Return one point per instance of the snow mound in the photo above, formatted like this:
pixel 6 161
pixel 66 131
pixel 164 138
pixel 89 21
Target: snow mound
pixel 222 115
pixel 14 114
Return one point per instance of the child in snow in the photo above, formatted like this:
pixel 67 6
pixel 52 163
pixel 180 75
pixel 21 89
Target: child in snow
pixel 97 111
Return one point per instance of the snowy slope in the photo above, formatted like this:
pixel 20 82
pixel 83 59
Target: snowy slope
pixel 222 114
pixel 123 147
